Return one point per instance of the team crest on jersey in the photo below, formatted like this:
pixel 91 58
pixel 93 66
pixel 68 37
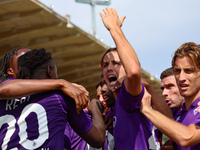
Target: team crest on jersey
pixel 195 111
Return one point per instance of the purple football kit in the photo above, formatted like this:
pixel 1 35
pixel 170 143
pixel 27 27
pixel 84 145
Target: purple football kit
pixel 192 116
pixel 75 141
pixel 132 130
pixel 38 121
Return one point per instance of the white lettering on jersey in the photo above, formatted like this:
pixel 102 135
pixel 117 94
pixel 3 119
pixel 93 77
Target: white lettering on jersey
pixel 12 104
pixel 10 120
pixel 26 143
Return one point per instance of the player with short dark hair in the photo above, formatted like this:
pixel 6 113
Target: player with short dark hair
pixel 38 121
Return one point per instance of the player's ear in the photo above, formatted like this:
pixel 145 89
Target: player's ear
pixel 10 72
pixel 49 71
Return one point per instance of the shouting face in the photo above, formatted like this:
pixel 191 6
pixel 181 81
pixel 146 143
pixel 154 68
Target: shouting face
pixel 112 69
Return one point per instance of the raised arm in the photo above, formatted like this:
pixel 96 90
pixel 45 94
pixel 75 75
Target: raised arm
pixel 23 87
pixel 126 52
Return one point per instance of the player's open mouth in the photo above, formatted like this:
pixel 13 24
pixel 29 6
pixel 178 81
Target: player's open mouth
pixel 112 79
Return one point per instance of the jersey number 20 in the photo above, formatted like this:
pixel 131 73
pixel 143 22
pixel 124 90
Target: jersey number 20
pixel 21 122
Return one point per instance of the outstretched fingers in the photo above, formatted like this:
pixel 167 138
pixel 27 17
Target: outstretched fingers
pixel 111 19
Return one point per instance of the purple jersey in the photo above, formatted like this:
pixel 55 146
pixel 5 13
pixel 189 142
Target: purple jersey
pixel 38 121
pixel 189 117
pixel 132 130
pixel 109 133
pixel 176 113
pixel 76 141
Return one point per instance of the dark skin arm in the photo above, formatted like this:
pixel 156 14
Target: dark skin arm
pixel 108 122
pixel 23 87
pixel 157 102
pixel 107 119
pixel 98 127
pixel 167 148
pixel 169 145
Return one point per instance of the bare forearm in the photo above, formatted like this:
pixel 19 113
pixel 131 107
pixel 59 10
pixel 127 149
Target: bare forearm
pixel 98 120
pixel 23 87
pixel 129 60
pixel 126 52
pixel 174 130
pixel 98 128
pixel 99 124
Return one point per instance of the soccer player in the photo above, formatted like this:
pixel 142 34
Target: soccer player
pixel 132 130
pixel 20 88
pixel 38 121
pixel 185 132
pixel 170 90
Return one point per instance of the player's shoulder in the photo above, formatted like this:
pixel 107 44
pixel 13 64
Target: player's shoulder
pixel 53 93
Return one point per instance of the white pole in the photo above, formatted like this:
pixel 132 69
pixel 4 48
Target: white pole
pixel 93 18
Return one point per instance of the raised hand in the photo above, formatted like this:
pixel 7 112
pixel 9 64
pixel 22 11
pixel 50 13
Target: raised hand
pixel 95 105
pixel 111 19
pixel 146 102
